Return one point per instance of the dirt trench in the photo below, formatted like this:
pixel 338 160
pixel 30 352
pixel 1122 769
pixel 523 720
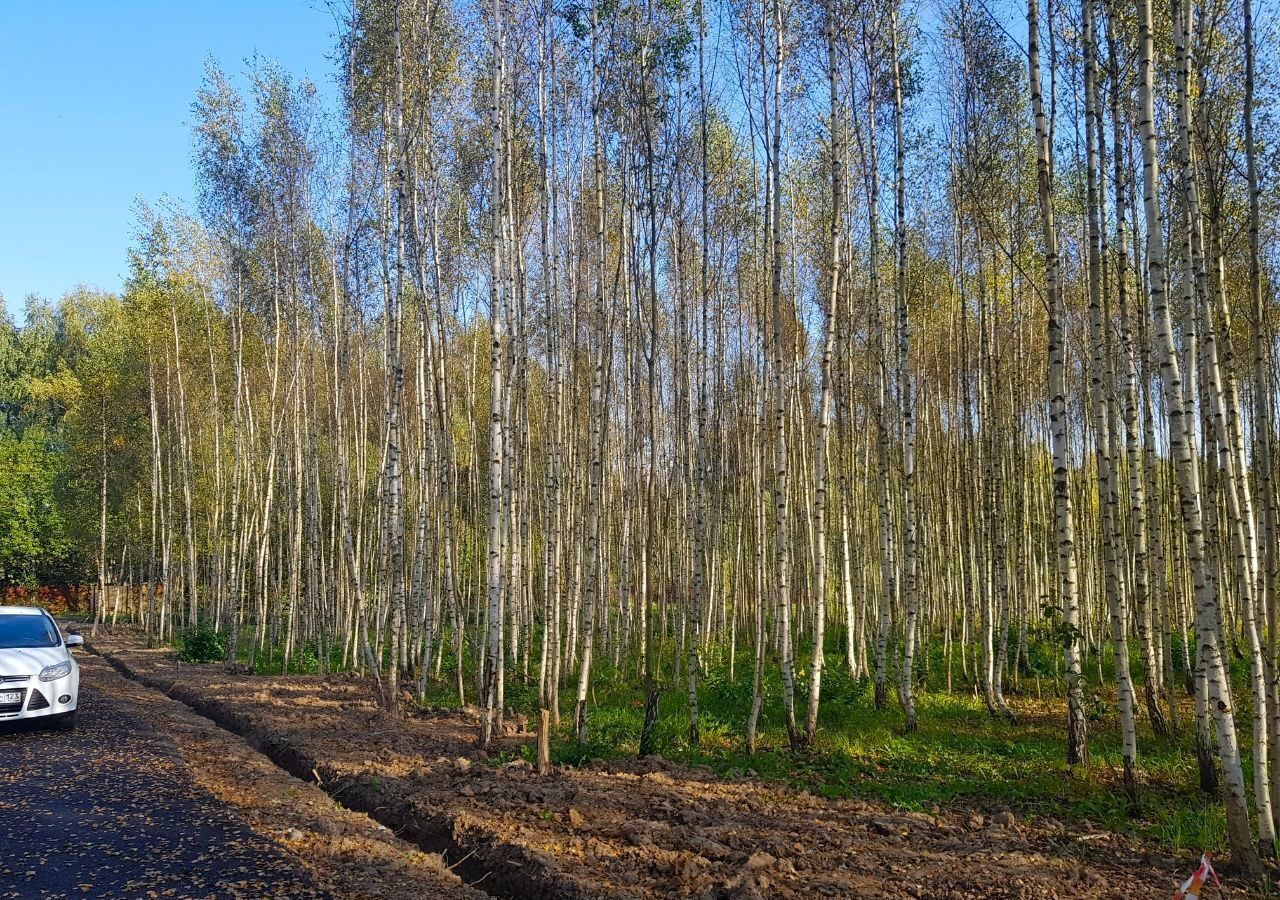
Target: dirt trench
pixel 347 855
pixel 496 870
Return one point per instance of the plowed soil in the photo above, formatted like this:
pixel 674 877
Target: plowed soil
pixel 643 829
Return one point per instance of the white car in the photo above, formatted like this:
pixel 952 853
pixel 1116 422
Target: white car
pixel 38 677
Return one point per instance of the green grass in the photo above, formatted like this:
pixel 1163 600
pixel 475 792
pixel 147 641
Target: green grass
pixel 959 757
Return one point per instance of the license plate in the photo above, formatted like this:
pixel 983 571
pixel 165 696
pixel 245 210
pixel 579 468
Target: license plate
pixel 10 696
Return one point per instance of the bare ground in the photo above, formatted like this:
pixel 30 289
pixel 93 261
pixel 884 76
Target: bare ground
pixel 642 829
pixel 343 852
pixel 112 811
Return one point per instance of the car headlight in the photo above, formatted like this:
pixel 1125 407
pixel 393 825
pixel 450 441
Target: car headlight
pixel 56 671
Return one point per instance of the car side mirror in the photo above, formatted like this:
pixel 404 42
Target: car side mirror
pixel 74 640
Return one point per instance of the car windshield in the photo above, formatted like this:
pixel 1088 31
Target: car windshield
pixel 27 631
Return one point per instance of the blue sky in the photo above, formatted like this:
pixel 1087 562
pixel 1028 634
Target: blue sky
pixel 95 107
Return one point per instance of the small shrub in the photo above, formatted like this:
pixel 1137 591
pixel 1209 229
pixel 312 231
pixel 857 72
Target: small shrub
pixel 1097 708
pixel 306 659
pixel 202 644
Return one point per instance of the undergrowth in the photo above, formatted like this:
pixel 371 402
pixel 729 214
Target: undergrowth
pixel 201 644
pixel 959 757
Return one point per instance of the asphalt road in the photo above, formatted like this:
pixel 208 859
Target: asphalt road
pixel 110 811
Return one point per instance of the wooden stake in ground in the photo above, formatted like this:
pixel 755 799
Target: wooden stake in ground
pixel 544 741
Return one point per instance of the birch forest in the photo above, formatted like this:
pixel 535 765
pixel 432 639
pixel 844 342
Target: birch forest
pixel 730 362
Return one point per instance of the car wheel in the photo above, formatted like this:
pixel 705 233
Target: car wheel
pixel 66 722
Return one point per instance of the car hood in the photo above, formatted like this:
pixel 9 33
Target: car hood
pixel 30 660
